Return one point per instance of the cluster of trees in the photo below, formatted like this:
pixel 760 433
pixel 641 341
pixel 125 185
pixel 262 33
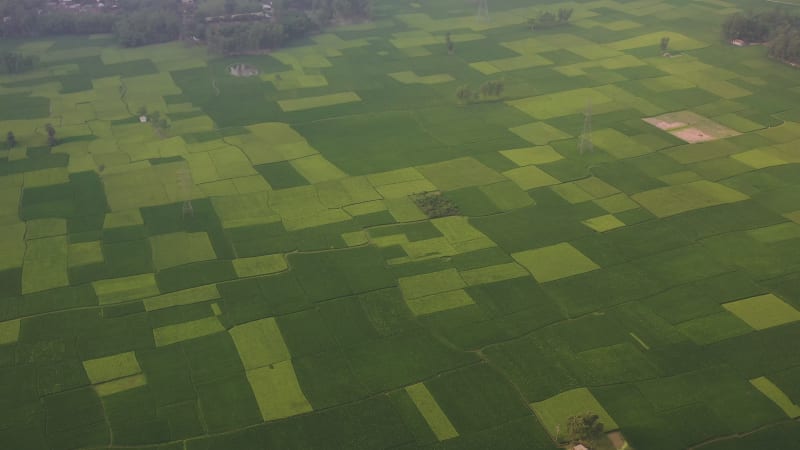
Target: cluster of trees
pixel 487 91
pixel 548 19
pixel 585 429
pixel 290 20
pixel 434 204
pixel 23 18
pixel 161 124
pixel 15 62
pixel 147 27
pixel 244 37
pixel 777 28
pixel 137 22
pixel 11 139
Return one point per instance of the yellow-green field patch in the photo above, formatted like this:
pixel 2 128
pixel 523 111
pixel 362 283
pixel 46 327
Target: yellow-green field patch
pixel 84 253
pixel 677 41
pixel 776 233
pixel 532 155
pixel 355 238
pixel 171 334
pixel 459 173
pixel 277 391
pixel 116 290
pixel 560 104
pixel 260 343
pixel 430 283
pixel 39 228
pixel 774 393
pixel 184 297
pixel 604 223
pixel 317 169
pixel 617 144
pixel 539 133
pixel 175 249
pixel 554 262
pixel 119 219
pixel 406 188
pixel 617 203
pixel 530 177
pixel 671 200
pixel 111 367
pixel 45 264
pixel 571 193
pixel 555 411
pixel 759 159
pixel 244 210
pixel 9 332
pixel 299 104
pixel 259 265
pixel 763 311
pixel 492 274
pixel 431 411
pixel 120 385
pixel 507 195
pixel 441 301
pixel 409 77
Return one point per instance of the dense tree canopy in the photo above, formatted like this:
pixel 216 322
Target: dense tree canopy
pixel 779 29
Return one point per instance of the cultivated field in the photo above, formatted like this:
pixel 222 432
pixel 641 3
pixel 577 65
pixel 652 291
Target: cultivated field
pixel 307 301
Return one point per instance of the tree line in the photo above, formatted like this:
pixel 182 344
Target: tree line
pixel 777 29
pixel 289 20
pixel 136 22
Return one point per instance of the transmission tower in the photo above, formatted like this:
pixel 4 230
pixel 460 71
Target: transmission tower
pixel 585 142
pixel 483 10
pixel 185 184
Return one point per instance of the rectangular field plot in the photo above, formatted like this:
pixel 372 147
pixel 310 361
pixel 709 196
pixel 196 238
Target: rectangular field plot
pixel 555 411
pixel 554 262
pixel 442 301
pixel 175 249
pixel 277 391
pixel 436 418
pixel 111 367
pixel 320 101
pixel 260 343
pixel 774 393
pixel 671 200
pixel 118 290
pixel 179 298
pixel 171 334
pixel 431 283
pixel 45 265
pixel 763 311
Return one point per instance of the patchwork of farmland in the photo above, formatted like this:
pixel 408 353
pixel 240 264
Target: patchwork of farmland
pixel 305 300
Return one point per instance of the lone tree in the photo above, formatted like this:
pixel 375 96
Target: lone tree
pixel 464 94
pixel 51 135
pixel 564 14
pixel 664 44
pixel 11 140
pixel 585 429
pixel 142 111
pixel 449 43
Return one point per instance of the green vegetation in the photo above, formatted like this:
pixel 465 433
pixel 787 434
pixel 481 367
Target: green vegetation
pixel 320 247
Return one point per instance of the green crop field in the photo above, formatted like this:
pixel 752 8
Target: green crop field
pixel 342 253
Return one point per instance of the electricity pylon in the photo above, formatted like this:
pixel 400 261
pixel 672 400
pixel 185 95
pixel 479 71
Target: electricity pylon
pixel 185 185
pixel 585 142
pixel 483 10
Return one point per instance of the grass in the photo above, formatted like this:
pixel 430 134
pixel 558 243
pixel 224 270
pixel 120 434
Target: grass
pixel 555 411
pixel 308 301
pixel 763 311
pixel 437 420
pixel 554 262
pixel 171 334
